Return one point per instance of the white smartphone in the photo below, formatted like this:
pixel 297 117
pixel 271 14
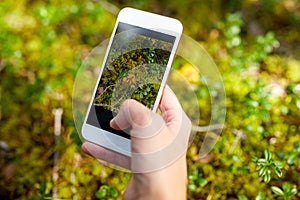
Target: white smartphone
pixel 136 65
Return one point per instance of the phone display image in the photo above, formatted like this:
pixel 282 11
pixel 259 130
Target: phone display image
pixel 139 50
pixel 134 69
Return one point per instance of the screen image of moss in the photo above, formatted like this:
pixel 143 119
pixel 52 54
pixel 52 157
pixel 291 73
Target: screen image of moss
pixel 135 66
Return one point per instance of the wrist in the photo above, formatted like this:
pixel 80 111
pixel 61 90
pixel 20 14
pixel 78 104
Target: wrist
pixel 165 184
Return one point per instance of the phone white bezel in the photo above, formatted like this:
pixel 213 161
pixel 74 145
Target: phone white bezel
pixel 145 20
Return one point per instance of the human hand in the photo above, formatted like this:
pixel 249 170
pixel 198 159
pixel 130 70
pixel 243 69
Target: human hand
pixel 158 145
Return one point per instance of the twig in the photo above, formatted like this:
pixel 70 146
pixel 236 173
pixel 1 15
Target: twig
pixel 107 88
pixel 76 162
pixel 57 131
pixel 239 136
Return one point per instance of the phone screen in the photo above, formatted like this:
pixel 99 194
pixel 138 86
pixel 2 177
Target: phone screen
pixel 134 68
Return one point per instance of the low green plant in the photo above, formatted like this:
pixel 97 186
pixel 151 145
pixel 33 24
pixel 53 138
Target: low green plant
pixel 267 166
pixel 285 192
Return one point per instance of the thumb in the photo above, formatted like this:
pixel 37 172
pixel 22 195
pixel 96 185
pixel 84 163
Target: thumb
pixel 143 122
pixel 132 113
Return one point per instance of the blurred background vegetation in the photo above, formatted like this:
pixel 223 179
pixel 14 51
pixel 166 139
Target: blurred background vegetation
pixel 255 44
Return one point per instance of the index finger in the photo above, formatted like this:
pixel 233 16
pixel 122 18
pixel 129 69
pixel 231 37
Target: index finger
pixel 170 107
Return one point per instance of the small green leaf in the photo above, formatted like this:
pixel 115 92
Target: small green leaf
pixel 261 161
pixel 278 164
pixel 286 187
pixel 276 169
pixel 267 176
pixel 267 154
pixel 278 172
pixel 254 159
pixel 42 189
pixel 192 187
pixel 262 171
pixel 192 177
pixel 260 196
pixel 242 197
pixel 101 194
pixel 202 182
pixel 113 192
pixel 277 190
pixel 293 192
pixel 290 159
